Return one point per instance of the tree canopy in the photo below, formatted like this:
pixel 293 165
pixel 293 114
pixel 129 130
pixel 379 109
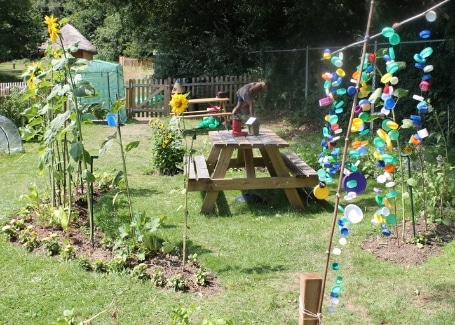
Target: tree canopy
pixel 227 37
pixel 208 37
pixel 20 29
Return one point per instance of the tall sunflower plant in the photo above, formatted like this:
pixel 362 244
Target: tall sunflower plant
pixel 179 103
pixel 55 118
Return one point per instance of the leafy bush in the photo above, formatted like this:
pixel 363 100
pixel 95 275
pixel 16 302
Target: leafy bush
pixel 167 147
pixel 12 106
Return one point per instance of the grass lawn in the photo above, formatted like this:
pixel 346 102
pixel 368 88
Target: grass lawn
pixel 12 71
pixel 257 251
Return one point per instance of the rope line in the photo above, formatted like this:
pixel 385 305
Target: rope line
pixel 304 311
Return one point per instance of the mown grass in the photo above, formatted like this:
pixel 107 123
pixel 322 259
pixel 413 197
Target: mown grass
pixel 12 71
pixel 257 251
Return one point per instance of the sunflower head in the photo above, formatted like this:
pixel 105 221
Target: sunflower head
pixel 52 27
pixel 179 103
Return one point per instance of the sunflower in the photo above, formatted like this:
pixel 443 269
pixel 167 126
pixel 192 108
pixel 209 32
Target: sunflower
pixel 52 27
pixel 408 150
pixel 179 103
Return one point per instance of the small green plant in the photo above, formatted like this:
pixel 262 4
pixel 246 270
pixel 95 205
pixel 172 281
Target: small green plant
pixel 201 276
pixel 193 258
pixel 140 238
pixel 181 315
pixel 84 263
pixel 176 282
pixel 108 181
pixel 107 242
pixel 420 240
pixel 35 204
pixel 157 278
pixel 67 252
pixel 13 228
pixel 50 244
pixel 68 318
pixel 117 264
pixel 139 272
pixel 28 237
pixel 167 147
pixel 99 265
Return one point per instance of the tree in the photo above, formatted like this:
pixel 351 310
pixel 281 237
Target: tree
pixel 20 30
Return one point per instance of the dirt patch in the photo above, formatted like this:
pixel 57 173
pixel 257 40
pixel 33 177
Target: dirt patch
pixel 159 269
pixel 403 248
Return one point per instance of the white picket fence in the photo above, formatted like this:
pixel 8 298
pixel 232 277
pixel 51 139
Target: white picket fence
pixel 6 87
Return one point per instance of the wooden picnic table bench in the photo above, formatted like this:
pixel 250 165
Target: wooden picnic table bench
pixel 286 170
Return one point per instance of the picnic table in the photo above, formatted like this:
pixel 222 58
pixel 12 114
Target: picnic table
pixel 213 101
pixel 286 170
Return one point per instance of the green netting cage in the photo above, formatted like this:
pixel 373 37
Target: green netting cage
pixel 108 80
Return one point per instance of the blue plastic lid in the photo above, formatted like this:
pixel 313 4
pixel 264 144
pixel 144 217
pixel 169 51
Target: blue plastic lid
pixel 425 34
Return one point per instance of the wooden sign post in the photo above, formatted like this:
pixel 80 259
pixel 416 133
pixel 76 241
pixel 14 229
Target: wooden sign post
pixel 310 296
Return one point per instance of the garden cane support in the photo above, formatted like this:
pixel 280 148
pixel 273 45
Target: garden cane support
pixel 408 159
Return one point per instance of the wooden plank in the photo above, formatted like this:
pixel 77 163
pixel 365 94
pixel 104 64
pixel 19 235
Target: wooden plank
pixel 258 183
pixel 297 166
pixel 310 296
pixel 267 162
pixel 219 172
pixel 274 138
pixel 201 168
pixel 205 113
pixel 207 100
pixel 281 170
pixel 229 139
pixel 249 163
pixel 217 140
pixel 188 167
pixel 213 158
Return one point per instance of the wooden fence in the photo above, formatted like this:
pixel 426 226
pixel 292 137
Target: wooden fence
pixel 6 87
pixel 150 98
pixel 131 62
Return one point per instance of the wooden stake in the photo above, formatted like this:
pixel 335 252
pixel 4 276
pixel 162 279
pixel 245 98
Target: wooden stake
pixel 310 295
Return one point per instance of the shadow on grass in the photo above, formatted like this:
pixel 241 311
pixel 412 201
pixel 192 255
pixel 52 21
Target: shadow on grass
pixel 258 269
pixel 107 215
pixel 195 249
pixel 266 203
pixel 222 205
pixel 443 293
pixel 269 202
pixel 144 192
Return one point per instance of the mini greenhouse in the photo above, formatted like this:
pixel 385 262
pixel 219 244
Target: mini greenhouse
pixel 10 138
pixel 107 79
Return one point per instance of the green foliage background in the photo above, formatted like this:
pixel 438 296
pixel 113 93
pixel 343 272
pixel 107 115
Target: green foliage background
pixel 281 41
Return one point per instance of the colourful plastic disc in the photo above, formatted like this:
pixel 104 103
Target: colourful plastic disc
pixel 426 52
pixel 360 180
pixel 391 219
pixel 387 32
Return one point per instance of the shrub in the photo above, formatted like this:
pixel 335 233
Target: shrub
pixel 167 147
pixel 12 106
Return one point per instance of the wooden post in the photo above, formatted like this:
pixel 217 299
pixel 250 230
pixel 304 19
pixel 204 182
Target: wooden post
pixel 310 296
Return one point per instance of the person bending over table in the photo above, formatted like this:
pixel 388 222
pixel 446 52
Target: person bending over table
pixel 245 96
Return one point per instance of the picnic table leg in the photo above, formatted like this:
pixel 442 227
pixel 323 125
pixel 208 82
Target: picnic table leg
pixel 268 162
pixel 249 163
pixel 282 171
pixel 219 172
pixel 212 159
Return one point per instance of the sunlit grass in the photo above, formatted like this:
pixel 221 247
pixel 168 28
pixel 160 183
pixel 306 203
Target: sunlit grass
pixel 257 251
